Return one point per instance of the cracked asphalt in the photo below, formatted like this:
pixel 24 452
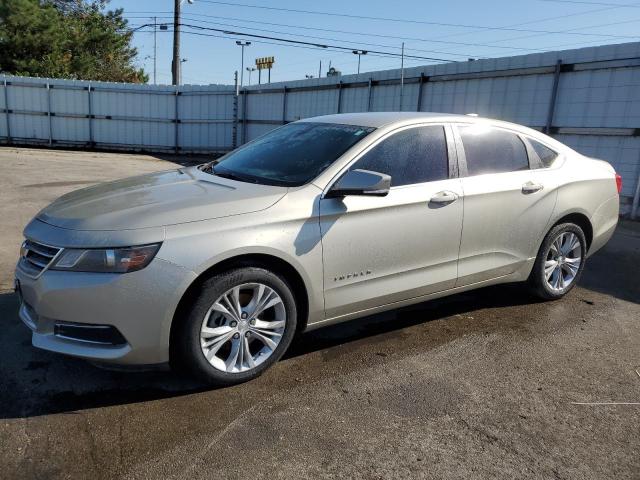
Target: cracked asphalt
pixel 486 384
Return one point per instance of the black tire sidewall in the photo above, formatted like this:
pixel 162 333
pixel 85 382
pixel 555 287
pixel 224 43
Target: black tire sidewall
pixel 188 337
pixel 537 278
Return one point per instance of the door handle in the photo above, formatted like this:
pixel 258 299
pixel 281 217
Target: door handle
pixel 531 187
pixel 444 198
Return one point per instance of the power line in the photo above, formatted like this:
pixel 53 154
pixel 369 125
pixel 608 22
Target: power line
pixel 615 5
pixel 333 39
pixel 405 20
pixel 305 43
pixel 580 44
pixel 340 49
pixel 336 49
pixel 590 26
pixel 378 35
pixel 347 32
pixel 546 19
pixel 465 55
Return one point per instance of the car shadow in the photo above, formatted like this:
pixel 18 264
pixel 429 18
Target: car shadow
pixel 36 382
pixel 399 319
pixel 614 269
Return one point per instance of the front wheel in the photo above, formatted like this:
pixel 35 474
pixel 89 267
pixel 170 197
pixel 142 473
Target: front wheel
pixel 560 262
pixel 241 323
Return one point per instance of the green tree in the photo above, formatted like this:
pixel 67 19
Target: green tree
pixel 67 39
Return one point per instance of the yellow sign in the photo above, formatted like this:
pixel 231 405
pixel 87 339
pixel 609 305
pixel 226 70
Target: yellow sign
pixel 264 62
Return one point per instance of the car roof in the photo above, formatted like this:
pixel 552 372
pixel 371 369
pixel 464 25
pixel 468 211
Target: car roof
pixel 379 119
pixel 392 119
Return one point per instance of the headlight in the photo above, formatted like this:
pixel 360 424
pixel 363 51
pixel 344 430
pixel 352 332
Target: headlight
pixel 110 260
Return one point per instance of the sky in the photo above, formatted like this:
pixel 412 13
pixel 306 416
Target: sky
pixel 450 30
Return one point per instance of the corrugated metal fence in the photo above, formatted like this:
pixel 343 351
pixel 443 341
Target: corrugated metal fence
pixel 587 98
pixel 117 115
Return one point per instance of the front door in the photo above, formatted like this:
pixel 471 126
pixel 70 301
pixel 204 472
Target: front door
pixel 380 250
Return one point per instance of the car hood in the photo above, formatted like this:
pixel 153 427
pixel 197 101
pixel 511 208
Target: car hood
pixel 158 199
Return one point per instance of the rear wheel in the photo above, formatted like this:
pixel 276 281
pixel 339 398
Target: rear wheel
pixel 560 262
pixel 241 323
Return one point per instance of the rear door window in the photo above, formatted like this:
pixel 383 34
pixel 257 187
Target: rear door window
pixel 414 155
pixel 491 150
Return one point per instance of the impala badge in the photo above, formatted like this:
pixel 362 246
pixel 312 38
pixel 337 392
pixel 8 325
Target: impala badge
pixel 348 276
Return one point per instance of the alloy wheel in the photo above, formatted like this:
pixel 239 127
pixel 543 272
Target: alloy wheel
pixel 243 327
pixel 563 261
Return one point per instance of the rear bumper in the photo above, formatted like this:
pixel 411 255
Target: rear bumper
pixel 604 222
pixel 139 306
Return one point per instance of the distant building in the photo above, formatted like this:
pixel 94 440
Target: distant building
pixel 333 72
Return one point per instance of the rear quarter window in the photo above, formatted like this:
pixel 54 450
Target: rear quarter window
pixel 545 154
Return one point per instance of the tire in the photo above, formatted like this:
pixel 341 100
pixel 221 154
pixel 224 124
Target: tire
pixel 560 277
pixel 211 347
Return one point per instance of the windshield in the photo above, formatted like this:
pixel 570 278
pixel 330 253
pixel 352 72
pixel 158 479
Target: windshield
pixel 291 155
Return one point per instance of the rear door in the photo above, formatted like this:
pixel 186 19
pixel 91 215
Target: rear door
pixel 380 250
pixel 507 204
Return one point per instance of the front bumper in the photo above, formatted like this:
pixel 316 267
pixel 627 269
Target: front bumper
pixel 140 305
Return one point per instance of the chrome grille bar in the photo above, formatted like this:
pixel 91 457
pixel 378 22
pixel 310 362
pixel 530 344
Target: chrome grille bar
pixel 36 257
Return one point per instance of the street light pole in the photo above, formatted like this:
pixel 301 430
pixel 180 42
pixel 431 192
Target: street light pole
pixel 242 45
pixel 250 69
pixel 360 53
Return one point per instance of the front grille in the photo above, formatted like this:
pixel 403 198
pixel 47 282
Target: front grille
pixel 36 256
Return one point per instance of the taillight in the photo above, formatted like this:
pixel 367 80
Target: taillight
pixel 619 183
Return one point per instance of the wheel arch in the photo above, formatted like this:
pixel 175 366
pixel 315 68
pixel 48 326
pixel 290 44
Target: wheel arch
pixel 581 220
pixel 264 260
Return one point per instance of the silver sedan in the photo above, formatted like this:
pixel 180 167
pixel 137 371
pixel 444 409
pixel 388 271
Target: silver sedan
pixel 214 268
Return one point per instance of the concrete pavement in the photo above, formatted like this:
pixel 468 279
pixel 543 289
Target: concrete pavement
pixel 487 384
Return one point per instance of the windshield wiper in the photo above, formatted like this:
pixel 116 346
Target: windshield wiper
pixel 231 176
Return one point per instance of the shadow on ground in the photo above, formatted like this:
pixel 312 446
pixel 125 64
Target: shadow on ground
pixel 616 268
pixel 37 382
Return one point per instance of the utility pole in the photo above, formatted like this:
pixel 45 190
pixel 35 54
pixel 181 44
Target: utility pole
pixel 155 48
pixel 320 70
pixel 175 64
pixel 401 76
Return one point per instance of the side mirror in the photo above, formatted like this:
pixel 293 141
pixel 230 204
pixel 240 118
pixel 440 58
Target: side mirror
pixel 361 182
